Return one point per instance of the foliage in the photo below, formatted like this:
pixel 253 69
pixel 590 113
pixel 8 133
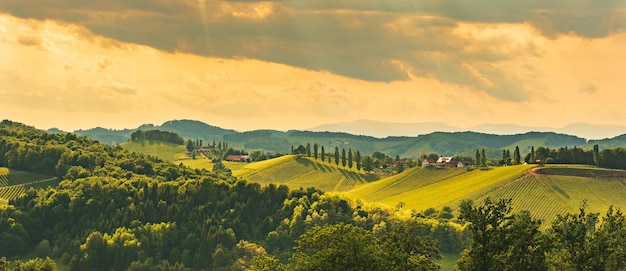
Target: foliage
pixel 165 136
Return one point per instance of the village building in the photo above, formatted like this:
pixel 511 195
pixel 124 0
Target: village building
pixel 238 158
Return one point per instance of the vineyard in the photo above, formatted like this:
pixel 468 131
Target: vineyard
pixel 13 183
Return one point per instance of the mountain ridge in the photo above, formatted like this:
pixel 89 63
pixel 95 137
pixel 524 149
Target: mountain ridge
pixel 443 143
pixel 384 129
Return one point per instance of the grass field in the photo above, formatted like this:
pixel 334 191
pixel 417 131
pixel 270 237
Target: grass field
pixel 444 187
pixel 13 183
pixel 296 172
pixel 164 150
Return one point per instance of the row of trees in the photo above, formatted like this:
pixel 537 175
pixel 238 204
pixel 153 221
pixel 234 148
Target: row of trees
pixel 607 158
pixel 165 136
pixel 349 159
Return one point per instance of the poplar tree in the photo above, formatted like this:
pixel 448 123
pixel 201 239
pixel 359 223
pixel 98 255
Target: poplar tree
pixel 350 158
pixel 357 160
pixel 517 157
pixel 343 157
pixel 323 154
pixel 483 158
pixel 336 155
pixel 315 151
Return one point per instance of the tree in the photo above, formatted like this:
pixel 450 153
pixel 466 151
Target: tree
pixel 343 157
pixel 483 159
pixel 532 154
pixel 583 245
pixel 357 160
pixel 517 157
pixel 501 241
pixel 336 155
pixel 189 145
pixel 315 154
pixel 350 158
pixel 337 247
pixel 323 154
pixel 308 150
pixel 477 158
pixel 368 163
pixel 406 249
pixel 596 154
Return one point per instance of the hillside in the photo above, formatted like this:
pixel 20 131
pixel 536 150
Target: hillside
pixel 296 172
pixel 164 150
pixel 545 192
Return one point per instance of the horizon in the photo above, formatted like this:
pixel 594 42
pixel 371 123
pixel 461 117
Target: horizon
pixel 400 129
pixel 248 65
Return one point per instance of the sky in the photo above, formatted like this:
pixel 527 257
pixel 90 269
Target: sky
pixel 296 64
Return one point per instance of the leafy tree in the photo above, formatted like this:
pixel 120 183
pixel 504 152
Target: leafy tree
pixel 581 244
pixel 501 241
pixel 189 145
pixel 266 263
pixel 341 247
pixel 368 163
pixel 300 150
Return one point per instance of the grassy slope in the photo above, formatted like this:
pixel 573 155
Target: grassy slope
pixel 442 187
pixel 164 150
pixel 297 172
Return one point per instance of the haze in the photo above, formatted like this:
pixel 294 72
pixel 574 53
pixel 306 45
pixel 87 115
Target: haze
pixel 298 64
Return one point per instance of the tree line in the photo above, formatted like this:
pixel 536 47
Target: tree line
pixel 165 136
pixel 350 159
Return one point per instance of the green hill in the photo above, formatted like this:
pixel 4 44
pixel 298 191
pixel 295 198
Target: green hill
pixel 545 192
pixel 164 150
pixel 296 172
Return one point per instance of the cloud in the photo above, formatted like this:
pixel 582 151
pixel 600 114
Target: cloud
pixel 588 87
pixel 466 43
pixel 30 41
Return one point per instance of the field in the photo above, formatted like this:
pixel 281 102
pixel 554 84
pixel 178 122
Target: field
pixel 13 183
pixel 164 150
pixel 545 191
pixel 296 172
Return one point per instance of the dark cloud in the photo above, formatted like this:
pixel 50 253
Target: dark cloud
pixel 365 39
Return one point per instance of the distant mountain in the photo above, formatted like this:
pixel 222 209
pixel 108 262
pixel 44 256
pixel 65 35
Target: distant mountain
pixel 443 143
pixel 188 129
pixel 384 129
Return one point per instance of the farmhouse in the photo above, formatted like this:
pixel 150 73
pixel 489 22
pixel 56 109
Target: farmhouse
pixel 238 158
pixel 442 162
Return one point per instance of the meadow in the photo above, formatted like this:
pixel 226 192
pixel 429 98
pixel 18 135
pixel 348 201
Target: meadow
pixel 164 150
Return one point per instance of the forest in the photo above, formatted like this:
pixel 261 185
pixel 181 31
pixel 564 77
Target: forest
pixel 116 210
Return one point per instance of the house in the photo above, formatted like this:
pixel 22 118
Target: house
pixel 445 161
pixel 428 162
pixel 460 164
pixel 238 158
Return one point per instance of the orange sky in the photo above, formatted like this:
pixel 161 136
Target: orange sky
pixel 289 65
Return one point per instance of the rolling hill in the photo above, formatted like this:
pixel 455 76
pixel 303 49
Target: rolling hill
pixel 446 143
pixel 545 191
pixel 166 151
